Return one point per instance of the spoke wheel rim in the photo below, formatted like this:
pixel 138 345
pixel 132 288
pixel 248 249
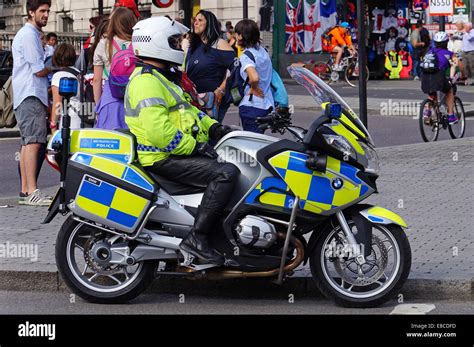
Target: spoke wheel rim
pixel 107 282
pixel 379 283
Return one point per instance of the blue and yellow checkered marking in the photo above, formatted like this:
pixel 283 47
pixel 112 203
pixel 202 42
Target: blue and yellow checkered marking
pixel 116 169
pixel 110 202
pixel 315 189
pixel 271 191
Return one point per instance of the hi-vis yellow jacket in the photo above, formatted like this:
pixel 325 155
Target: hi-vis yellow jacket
pixel 160 116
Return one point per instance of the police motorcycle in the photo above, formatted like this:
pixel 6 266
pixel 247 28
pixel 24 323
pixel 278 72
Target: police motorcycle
pixel 296 201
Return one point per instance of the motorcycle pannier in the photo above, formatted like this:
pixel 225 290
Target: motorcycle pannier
pixel 106 143
pixel 108 191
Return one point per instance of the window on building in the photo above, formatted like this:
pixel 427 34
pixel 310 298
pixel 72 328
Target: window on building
pixel 3 25
pixel 68 24
pixel 10 2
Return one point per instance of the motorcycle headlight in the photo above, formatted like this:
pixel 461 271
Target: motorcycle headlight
pixel 340 143
pixel 372 159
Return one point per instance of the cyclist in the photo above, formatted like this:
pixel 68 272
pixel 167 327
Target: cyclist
pixel 438 78
pixel 341 41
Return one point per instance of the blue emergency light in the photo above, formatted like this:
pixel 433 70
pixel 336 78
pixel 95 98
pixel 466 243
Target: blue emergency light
pixel 68 87
pixel 333 111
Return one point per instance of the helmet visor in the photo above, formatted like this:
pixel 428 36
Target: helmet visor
pixel 174 42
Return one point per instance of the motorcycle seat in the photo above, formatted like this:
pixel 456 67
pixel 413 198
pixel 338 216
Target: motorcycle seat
pixel 175 188
pixel 171 187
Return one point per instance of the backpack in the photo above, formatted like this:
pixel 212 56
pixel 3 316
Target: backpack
pixel 7 116
pixel 425 37
pixel 326 39
pixel 430 64
pixel 122 66
pixel 235 88
pixel 190 88
pixel 280 94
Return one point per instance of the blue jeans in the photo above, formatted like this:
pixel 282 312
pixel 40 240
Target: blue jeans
pixel 223 108
pixel 248 115
pixel 416 70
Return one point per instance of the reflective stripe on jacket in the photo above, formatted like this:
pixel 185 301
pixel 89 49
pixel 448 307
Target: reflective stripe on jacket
pixel 159 115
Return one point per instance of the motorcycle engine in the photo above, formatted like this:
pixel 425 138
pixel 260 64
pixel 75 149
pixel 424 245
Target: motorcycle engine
pixel 256 232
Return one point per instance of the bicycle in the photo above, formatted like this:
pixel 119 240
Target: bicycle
pixel 350 69
pixel 433 115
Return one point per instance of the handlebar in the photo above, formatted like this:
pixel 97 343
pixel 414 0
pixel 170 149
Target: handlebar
pixel 267 120
pixel 277 121
pixel 280 121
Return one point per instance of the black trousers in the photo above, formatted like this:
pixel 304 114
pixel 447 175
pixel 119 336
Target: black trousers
pixel 218 178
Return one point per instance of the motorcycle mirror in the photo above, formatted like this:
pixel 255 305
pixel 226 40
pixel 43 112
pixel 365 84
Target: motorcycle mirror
pixel 333 111
pixel 68 87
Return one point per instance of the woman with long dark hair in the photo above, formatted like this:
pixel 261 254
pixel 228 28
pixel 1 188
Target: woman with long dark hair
pixel 110 110
pixel 207 61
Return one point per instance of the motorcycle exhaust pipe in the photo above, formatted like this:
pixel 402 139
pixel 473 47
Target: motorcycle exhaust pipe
pixel 292 264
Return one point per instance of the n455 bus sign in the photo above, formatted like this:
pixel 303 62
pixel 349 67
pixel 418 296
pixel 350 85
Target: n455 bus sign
pixel 441 7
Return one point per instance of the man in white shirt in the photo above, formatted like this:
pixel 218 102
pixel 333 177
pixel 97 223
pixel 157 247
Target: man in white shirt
pixel 30 98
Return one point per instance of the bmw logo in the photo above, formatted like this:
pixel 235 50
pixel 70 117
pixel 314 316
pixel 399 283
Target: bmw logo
pixel 337 183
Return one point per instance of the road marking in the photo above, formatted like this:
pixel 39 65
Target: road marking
pixel 9 138
pixel 413 309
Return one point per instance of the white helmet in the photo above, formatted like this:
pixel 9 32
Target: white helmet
pixel 157 38
pixel 441 36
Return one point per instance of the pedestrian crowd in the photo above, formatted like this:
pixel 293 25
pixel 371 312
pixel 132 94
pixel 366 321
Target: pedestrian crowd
pixel 214 61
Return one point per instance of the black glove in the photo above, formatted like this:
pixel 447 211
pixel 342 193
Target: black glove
pixel 205 149
pixel 218 131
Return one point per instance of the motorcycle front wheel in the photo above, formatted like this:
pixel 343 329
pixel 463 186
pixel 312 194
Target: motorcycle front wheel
pixel 82 258
pixel 340 277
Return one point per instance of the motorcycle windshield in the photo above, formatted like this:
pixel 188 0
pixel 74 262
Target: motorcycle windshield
pixel 322 93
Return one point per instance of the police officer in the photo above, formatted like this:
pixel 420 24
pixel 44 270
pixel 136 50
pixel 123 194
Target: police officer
pixel 172 134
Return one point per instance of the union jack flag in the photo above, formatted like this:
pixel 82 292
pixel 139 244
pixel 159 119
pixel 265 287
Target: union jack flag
pixel 294 28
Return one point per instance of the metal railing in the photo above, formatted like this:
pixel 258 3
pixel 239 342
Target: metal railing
pixel 76 39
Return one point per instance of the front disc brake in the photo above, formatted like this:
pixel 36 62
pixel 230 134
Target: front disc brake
pixel 355 274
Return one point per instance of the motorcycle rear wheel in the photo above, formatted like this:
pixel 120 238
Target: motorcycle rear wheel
pixel 90 281
pixel 340 278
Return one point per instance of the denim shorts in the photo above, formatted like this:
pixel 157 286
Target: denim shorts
pixel 32 118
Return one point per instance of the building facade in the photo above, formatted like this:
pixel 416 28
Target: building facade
pixel 73 15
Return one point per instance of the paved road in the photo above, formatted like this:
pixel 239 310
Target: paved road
pixel 385 131
pixel 60 303
pixel 410 90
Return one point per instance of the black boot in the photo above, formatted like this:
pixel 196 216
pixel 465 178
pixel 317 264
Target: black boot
pixel 197 242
